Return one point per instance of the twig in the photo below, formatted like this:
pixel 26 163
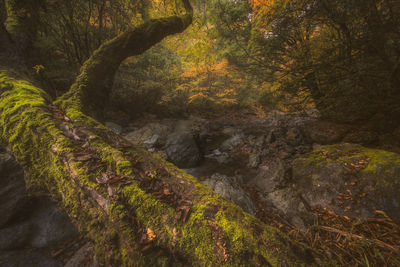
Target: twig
pixel 373 241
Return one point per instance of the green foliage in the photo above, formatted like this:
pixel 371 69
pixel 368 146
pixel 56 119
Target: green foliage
pixel 145 79
pixel 344 55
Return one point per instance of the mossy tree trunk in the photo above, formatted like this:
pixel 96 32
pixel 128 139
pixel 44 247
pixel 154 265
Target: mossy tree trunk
pixel 138 209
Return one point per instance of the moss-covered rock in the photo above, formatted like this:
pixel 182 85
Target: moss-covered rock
pixel 350 179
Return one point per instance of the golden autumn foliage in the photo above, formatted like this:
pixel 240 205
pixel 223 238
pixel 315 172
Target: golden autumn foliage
pixel 214 84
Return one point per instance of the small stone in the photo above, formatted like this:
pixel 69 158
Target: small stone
pixel 254 160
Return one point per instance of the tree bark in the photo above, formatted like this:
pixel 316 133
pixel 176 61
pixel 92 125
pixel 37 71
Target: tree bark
pixel 138 209
pixel 92 87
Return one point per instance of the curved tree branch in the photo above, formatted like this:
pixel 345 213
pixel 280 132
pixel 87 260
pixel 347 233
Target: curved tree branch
pixel 92 87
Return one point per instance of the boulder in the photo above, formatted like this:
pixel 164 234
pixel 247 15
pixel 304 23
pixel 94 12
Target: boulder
pixel 27 258
pixel 13 195
pixel 15 236
pixel 151 135
pixel 350 179
pixel 361 137
pixel 269 176
pixel 51 225
pixel 182 149
pixel 254 160
pixel 232 142
pixel 324 132
pixel 228 189
pixel 82 257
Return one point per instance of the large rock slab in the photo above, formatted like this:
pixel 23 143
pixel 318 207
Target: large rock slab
pixel 350 179
pixel 15 237
pixel 52 226
pixel 25 258
pixel 230 190
pixel 13 195
pixel 181 146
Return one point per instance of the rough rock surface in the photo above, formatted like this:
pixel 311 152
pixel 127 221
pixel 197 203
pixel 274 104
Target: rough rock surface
pixel 350 179
pixel 28 223
pixel 230 190
pixel 325 133
pixel 13 196
pixel 181 147
pixel 15 237
pixel 51 225
pixel 27 258
pixel 117 128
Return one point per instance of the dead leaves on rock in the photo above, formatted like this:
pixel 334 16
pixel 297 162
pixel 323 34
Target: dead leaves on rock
pixel 353 163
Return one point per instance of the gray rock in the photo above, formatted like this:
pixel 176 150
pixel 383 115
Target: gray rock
pixel 254 160
pixel 230 131
pixel 26 259
pixel 229 190
pixel 220 157
pixel 13 195
pixel 113 126
pixel 324 133
pixel 150 136
pixel 269 176
pixel 182 149
pixel 232 142
pixel 52 226
pixel 15 236
pixel 294 137
pixel 80 257
pixel 361 137
pixel 347 178
pixel 270 138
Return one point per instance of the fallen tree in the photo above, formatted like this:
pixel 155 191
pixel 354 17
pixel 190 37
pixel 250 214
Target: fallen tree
pixel 137 208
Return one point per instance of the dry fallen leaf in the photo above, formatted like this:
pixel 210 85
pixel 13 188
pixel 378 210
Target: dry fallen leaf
pixel 150 234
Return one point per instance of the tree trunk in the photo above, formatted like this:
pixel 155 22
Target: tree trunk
pixel 138 209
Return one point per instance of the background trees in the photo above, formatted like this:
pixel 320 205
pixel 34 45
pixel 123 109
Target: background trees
pixel 342 55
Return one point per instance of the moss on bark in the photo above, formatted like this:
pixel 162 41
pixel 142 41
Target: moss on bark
pixel 92 88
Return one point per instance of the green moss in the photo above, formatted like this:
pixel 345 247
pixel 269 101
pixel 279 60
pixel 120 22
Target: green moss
pixel 381 171
pixel 38 143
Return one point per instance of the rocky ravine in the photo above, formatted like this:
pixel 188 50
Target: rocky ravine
pixel 286 164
